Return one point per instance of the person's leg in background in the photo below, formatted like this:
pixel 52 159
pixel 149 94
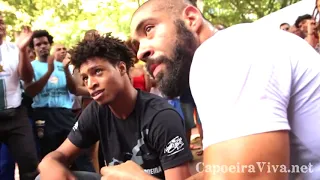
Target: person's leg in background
pixel 21 145
pixel 35 136
pixel 7 164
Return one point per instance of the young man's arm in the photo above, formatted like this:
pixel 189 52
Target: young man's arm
pixel 128 170
pixel 167 133
pixel 34 88
pixel 55 164
pixel 83 135
pixel 71 85
pixel 25 69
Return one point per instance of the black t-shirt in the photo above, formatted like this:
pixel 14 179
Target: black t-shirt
pixel 153 135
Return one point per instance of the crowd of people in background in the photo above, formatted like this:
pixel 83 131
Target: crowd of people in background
pixel 305 27
pixel 107 102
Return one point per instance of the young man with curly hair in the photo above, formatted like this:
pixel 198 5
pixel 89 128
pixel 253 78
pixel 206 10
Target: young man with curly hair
pixel 50 90
pixel 130 124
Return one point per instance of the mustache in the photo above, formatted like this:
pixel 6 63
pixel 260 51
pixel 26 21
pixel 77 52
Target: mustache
pixel 153 62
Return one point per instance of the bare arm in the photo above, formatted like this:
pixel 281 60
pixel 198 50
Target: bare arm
pixel 178 173
pixel 71 85
pixel 95 156
pixel 311 39
pixel 25 69
pixel 128 170
pixel 64 155
pixel 249 151
pixel 198 176
pixel 34 88
pixel 131 170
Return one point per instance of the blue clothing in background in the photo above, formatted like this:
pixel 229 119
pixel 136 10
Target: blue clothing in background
pixel 7 163
pixel 176 104
pixel 55 94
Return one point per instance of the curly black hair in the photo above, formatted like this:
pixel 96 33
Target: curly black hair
pixel 106 47
pixel 39 34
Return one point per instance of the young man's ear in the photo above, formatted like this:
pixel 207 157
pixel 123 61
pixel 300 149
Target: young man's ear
pixel 122 68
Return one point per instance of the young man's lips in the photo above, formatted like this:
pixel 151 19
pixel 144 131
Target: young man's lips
pixel 96 93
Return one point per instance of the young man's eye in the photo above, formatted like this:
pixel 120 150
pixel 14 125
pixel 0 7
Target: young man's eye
pixel 148 28
pixel 98 71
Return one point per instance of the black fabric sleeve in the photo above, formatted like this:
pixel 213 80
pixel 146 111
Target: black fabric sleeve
pixel 169 139
pixel 85 132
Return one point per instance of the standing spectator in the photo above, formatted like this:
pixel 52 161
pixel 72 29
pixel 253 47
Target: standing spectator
pixel 15 128
pixel 284 26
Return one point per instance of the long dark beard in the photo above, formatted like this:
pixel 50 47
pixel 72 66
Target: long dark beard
pixel 176 80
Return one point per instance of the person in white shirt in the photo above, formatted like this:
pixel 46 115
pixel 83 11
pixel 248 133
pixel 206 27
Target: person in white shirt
pixel 259 103
pixel 15 128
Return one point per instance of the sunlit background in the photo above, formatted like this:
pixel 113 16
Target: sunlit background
pixel 67 20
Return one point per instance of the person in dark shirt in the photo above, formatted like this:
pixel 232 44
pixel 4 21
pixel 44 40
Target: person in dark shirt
pixel 131 125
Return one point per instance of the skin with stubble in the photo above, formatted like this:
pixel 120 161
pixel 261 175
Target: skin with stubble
pixel 176 45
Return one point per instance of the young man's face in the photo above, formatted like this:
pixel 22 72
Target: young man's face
pixel 167 45
pixel 42 46
pixel 103 80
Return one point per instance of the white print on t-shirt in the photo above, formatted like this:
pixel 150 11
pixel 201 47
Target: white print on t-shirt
pixel 75 127
pixel 174 146
pixel 53 80
pixel 152 171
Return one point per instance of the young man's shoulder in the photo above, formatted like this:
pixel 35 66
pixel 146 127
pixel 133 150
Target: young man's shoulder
pixel 151 105
pixel 153 102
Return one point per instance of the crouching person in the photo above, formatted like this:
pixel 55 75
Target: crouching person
pixel 131 125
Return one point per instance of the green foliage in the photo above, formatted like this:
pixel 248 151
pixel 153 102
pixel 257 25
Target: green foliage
pixel 230 12
pixel 67 20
